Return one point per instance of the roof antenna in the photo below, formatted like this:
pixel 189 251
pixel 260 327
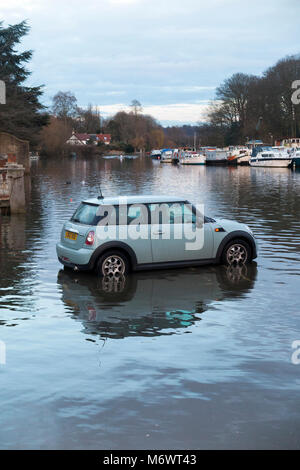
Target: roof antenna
pixel 100 192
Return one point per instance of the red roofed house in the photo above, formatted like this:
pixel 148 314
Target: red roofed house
pixel 82 139
pixel 104 138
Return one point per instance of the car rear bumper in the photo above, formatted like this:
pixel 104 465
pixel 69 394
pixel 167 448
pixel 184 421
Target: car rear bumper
pixel 75 259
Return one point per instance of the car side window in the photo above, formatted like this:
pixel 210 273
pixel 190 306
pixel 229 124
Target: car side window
pixel 160 213
pixel 171 213
pixel 137 214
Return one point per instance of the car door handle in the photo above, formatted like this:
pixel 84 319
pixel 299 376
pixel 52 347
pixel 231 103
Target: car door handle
pixel 160 232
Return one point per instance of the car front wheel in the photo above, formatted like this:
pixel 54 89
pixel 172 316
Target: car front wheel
pixel 113 264
pixel 236 252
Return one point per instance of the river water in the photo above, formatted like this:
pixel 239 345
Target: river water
pixel 187 358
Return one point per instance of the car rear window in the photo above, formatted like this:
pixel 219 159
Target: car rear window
pixel 85 214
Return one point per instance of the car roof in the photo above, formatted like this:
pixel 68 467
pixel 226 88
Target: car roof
pixel 117 200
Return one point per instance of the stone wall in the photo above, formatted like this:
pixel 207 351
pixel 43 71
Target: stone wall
pixel 16 149
pixel 4 188
pixel 12 189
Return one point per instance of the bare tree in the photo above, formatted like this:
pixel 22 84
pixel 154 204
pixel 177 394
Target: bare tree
pixel 64 105
pixel 88 120
pixel 136 107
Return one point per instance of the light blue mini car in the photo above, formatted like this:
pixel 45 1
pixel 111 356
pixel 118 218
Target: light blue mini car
pixel 115 235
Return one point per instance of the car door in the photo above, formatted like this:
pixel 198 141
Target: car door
pixel 135 231
pixel 172 234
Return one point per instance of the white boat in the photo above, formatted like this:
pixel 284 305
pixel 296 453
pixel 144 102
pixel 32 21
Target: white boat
pixel 243 159
pixel 156 154
pixel 193 158
pixel 295 156
pixel 271 157
pixel 238 156
pixel 166 156
pixel 176 156
pixel 216 157
pixel 119 157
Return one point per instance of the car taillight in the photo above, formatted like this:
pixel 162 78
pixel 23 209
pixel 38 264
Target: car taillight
pixel 90 238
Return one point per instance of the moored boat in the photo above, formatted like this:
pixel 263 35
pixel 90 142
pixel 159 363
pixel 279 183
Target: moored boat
pixel 155 154
pixel 243 159
pixel 166 156
pixel 193 158
pixel 216 157
pixel 270 157
pixel 295 156
pixel 176 154
pixel 238 156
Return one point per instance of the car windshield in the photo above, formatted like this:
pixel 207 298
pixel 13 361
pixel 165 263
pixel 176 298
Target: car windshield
pixel 85 214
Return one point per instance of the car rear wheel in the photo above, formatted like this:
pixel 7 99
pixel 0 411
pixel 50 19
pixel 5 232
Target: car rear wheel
pixel 113 264
pixel 236 252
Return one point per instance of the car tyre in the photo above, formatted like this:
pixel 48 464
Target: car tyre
pixel 236 252
pixel 113 264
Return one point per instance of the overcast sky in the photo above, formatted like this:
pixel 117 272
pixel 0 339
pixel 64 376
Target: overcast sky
pixel 168 54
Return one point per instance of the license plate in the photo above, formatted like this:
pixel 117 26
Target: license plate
pixel 71 235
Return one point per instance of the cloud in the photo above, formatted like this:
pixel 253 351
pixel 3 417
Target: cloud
pixel 124 2
pixel 184 113
pixel 167 54
pixel 22 5
pixel 110 93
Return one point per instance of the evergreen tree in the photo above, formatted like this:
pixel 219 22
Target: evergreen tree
pixel 22 115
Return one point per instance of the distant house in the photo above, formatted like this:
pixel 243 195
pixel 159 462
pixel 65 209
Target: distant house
pixel 78 139
pixel 83 139
pixel 104 138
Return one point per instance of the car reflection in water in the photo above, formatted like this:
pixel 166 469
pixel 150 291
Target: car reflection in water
pixel 150 304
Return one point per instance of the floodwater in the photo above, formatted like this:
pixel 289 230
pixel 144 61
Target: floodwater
pixel 185 358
